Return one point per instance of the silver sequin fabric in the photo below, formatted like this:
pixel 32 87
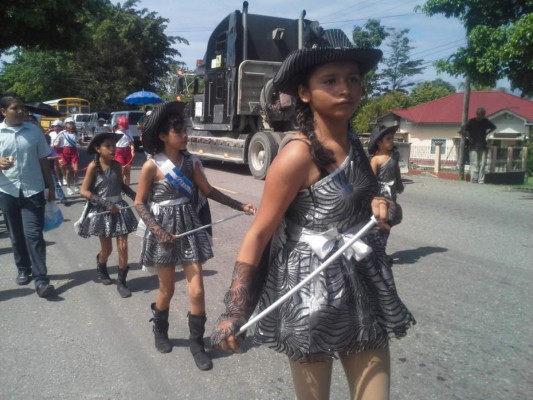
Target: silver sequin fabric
pixel 352 306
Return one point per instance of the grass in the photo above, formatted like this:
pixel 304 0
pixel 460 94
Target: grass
pixel 527 185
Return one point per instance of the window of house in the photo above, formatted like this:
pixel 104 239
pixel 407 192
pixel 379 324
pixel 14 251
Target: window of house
pixel 435 142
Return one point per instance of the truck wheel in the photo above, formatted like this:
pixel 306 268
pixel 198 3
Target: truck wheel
pixel 261 151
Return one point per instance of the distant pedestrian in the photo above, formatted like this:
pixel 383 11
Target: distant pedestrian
pixel 385 165
pixel 67 140
pixel 125 148
pixel 477 129
pixel 53 157
pixel 106 215
pixel 24 169
pixel 55 128
pixel 101 127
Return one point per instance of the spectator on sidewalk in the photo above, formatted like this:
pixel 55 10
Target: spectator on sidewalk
pixel 24 169
pixel 477 129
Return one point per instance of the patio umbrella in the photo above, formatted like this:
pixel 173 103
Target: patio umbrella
pixel 143 97
pixel 46 110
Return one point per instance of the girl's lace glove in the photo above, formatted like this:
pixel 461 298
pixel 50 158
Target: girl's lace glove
pixel 128 191
pixel 108 205
pixel 161 235
pixel 240 301
pixel 218 196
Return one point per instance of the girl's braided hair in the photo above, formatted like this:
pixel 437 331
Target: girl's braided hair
pixel 97 164
pixel 322 156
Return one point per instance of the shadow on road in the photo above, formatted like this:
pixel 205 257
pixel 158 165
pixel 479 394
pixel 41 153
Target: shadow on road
pixel 413 255
pixel 14 293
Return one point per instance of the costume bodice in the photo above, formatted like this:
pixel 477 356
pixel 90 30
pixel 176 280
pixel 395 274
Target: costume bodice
pixel 164 190
pixel 109 183
pixel 339 200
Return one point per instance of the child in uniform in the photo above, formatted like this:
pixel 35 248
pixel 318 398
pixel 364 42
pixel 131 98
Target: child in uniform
pixel 167 207
pixel 67 140
pixel 385 165
pixel 320 189
pixel 105 214
pixel 125 148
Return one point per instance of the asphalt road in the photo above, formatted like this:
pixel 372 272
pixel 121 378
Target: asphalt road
pixel 462 265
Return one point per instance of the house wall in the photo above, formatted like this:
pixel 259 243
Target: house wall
pixel 509 121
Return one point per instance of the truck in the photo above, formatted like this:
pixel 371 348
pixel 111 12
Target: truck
pixel 235 114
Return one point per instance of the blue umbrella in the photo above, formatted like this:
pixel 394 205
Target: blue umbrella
pixel 143 97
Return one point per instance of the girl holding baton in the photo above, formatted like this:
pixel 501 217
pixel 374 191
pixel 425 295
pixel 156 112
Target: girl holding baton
pixel 167 201
pixel 106 215
pixel 319 191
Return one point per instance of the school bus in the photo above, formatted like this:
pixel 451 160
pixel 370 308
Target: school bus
pixel 66 106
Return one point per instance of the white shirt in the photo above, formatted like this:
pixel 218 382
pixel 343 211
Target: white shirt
pixel 27 144
pixel 65 139
pixel 125 140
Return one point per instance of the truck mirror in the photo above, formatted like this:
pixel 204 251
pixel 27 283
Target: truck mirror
pixel 195 85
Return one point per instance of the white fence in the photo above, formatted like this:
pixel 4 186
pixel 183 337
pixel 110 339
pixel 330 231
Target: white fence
pixel 499 159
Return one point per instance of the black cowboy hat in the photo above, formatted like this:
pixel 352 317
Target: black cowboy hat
pixel 98 139
pixel 152 123
pixel 335 46
pixel 377 133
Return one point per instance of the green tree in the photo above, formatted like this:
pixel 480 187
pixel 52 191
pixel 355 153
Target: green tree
pixel 399 67
pixel 375 107
pixel 370 36
pixel 48 24
pixel 499 41
pixel 126 50
pixel 427 91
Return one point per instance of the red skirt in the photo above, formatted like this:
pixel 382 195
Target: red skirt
pixel 69 156
pixel 123 155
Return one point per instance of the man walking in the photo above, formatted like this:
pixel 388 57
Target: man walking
pixel 477 129
pixel 24 168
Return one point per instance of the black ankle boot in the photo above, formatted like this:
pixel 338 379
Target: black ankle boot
pixel 160 328
pixel 196 341
pixel 101 272
pixel 121 284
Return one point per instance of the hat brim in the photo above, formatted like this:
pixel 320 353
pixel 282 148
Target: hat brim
pixel 98 139
pixel 152 123
pixel 377 135
pixel 289 77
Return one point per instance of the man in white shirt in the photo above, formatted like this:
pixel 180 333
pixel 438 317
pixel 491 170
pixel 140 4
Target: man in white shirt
pixel 24 168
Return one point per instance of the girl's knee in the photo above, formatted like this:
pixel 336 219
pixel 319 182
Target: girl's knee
pixel 196 294
pixel 166 292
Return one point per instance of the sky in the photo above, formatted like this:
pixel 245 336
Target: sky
pixel 432 38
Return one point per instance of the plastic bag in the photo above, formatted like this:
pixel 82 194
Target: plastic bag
pixel 52 216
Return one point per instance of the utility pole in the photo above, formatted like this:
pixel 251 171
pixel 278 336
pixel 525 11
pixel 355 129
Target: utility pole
pixel 464 120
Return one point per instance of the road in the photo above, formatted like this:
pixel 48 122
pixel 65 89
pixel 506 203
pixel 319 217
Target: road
pixel 462 265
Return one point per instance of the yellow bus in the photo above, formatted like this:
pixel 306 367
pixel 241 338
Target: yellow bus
pixel 66 106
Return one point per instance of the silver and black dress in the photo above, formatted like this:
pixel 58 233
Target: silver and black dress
pixel 389 176
pixel 175 213
pixel 352 306
pixel 93 221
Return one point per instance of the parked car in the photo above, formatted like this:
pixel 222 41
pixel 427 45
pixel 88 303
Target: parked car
pixel 92 123
pixel 133 119
pixel 81 121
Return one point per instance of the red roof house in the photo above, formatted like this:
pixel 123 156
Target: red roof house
pixel 449 109
pixel 438 121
